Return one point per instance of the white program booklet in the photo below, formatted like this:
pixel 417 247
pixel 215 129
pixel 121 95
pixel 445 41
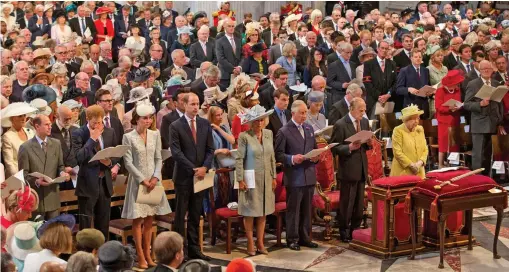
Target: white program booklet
pixel 110 152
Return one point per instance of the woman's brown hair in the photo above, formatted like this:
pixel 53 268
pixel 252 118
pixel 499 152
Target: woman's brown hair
pixel 57 238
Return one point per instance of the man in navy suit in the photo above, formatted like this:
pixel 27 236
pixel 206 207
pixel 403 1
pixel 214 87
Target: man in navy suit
pixel 94 187
pixel 80 23
pixel 38 24
pixel 192 149
pixel 341 72
pixel 122 24
pixel 293 141
pixel 410 80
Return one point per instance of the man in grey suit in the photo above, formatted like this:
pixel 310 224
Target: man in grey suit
pixel 44 155
pixel 293 141
pixel 276 50
pixel 342 107
pixel 203 49
pixel 228 53
pixel 341 72
pixel 353 165
pixel 486 118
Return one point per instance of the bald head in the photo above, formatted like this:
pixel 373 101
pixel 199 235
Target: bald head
pixel 204 66
pixel 318 83
pixel 273 68
pixel 311 38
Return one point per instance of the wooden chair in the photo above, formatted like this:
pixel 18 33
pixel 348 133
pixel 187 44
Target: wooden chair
pixel 219 210
pixel 68 201
pixel 388 122
pixel 431 133
pixel 167 221
pixel 280 206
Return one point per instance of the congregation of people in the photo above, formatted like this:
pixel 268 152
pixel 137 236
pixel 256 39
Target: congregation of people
pixel 239 95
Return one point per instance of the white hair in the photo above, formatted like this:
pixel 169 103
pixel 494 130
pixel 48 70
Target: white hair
pixel 342 46
pixel 315 13
pixel 297 104
pixel 15 67
pixel 354 89
pixel 85 64
pixel 125 59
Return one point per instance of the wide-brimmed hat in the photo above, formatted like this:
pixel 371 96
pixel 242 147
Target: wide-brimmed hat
pixel 15 109
pixel 59 69
pixel 39 91
pixel 292 17
pixel 409 111
pixel 141 75
pixel 90 238
pixel 21 239
pixel 42 52
pixel 139 93
pixel 184 30
pixel 66 219
pixel 452 78
pixel 9 6
pixel 433 49
pixel 198 15
pixel 42 107
pixel 102 10
pixel 257 48
pixel 72 104
pixel 42 75
pixel 367 51
pixel 256 112
pixel 176 82
pixel 301 88
pixel 48 7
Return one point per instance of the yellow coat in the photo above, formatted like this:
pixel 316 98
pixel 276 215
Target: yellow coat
pixel 408 147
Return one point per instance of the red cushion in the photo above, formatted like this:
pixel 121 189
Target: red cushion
pixel 363 235
pixel 280 191
pixel 397 182
pixel 446 175
pixel 469 185
pixel 325 168
pixel 280 206
pixel 375 161
pixel 333 196
pixel 226 213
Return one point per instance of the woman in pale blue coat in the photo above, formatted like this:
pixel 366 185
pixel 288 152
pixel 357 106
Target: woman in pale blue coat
pixel 255 157
pixel 289 62
pixel 143 161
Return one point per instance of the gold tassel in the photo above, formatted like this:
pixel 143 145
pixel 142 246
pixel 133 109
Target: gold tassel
pixel 433 212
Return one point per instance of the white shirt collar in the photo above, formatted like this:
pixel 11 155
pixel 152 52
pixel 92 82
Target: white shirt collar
pixel 179 113
pixel 39 140
pixel 189 119
pixel 296 124
pixel 379 59
pixel 353 119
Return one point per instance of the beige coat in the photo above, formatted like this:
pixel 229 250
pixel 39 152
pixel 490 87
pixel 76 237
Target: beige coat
pixel 10 146
pixel 260 200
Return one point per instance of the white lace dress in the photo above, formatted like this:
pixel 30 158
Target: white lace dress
pixel 142 162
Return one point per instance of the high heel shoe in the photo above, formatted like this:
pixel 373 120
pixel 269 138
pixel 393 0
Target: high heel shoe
pixel 262 251
pixel 252 253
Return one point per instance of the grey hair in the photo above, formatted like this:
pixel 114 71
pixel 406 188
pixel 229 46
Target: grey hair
pixel 175 52
pixel 116 72
pixel 353 88
pixel 4 79
pixel 81 262
pixel 86 63
pixel 297 104
pixel 15 67
pixel 342 46
pixel 104 43
pixel 125 58
pixel 212 71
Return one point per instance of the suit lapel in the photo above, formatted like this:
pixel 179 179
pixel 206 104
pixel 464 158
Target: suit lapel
pixel 36 147
pixel 187 128
pixel 350 125
pixel 296 133
pixel 276 122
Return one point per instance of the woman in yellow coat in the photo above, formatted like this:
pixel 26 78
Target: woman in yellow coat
pixel 409 145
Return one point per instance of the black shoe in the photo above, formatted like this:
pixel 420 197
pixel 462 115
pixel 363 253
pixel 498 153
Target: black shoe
pixel 201 256
pixel 308 244
pixel 294 246
pixel 350 235
pixel 344 237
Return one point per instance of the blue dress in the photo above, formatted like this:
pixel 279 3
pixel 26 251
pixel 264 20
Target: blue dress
pixel 291 68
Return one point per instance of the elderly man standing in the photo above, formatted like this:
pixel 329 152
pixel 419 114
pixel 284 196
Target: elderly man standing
pixel 39 24
pixel 100 67
pixel 228 53
pixel 43 154
pixel 342 107
pixel 106 53
pixel 486 118
pixel 210 79
pixel 80 23
pixel 341 72
pixel 453 59
pixel 353 167
pixel 204 49
pixel 293 141
pixel 178 57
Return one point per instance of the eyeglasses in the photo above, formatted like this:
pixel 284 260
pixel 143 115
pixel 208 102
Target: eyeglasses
pixel 106 100
pixel 62 53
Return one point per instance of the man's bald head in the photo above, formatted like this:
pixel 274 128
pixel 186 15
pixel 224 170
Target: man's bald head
pixel 52 267
pixel 273 68
pixel 204 66
pixel 318 83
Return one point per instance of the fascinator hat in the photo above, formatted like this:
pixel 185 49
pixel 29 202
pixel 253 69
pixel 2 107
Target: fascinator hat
pixel 255 113
pixel 139 93
pixel 410 111
pixel 145 110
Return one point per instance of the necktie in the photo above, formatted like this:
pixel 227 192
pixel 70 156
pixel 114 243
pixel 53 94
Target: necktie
pixel 468 68
pixel 44 146
pixel 507 56
pixel 97 145
pixel 126 21
pixel 301 131
pixel 193 130
pixel 67 141
pixel 233 45
pixel 83 26
pixel 382 65
pixel 107 122
pixel 358 124
pixel 204 49
pixel 283 118
pixel 458 58
pixel 418 72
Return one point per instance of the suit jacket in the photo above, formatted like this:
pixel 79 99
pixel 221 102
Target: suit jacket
pixel 408 77
pixel 302 59
pixel 289 142
pixel 165 74
pixel 450 61
pixel 336 76
pixel 498 77
pixel 103 71
pixel 332 57
pixel 275 122
pixel 95 84
pixel 468 77
pixel 240 28
pixel 198 87
pixel 171 37
pixel 402 60
pixel 198 56
pixel 69 158
pixel 483 119
pixel 85 148
pixel 31 158
pixel 186 153
pixel 274 53
pixel 10 149
pixel 74 24
pixel 267 39
pixel 353 165
pixel 378 82
pixel 250 66
pixel 226 59
pixel 38 31
pixel 338 111
pixel 119 24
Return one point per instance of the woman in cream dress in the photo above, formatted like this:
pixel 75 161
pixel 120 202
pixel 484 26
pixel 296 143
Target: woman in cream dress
pixel 143 161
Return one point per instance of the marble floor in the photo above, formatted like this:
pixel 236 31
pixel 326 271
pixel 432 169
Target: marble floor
pixel 336 256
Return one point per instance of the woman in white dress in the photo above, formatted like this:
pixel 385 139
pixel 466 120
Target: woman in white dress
pixel 135 42
pixel 143 161
pixel 10 21
pixel 60 32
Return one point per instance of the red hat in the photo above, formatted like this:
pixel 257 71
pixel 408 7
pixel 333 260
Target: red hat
pixel 452 78
pixel 240 265
pixel 102 10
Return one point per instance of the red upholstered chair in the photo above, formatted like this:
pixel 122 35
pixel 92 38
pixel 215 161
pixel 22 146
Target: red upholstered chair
pixel 280 210
pixel 220 211
pixel 377 167
pixel 327 199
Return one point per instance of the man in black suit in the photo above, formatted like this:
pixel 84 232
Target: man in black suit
pixel 303 53
pixel 281 114
pixel 83 82
pixel 61 56
pixel 333 56
pixel 122 24
pixel 38 24
pixel 179 61
pixel 193 151
pixel 203 49
pixel 104 99
pixel 366 39
pixel 210 79
pixel 342 107
pixel 379 78
pixel 80 23
pixel 23 21
pixel 269 37
pixel 278 80
pixel 353 165
pixel 473 74
pixel 62 130
pixel 453 58
pixel 180 21
pixel 465 53
pixel 341 72
pixel 146 22
pixel 486 118
pixel 501 74
pixel 156 57
pixel 100 67
pixel 241 28
pixel 402 59
pixel 93 83
pixel 229 53
pixel 94 187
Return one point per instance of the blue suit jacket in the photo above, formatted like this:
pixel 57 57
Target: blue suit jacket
pixel 38 31
pixel 119 26
pixel 288 143
pixel 408 77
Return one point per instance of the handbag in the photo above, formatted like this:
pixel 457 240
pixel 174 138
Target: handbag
pixel 150 198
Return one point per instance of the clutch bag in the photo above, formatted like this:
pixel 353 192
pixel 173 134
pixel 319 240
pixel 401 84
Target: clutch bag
pixel 150 198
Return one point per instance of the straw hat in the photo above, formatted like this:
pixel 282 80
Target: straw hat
pixel 15 109
pixel 452 78
pixel 48 7
pixel 410 111
pixel 42 52
pixel 50 78
pixel 22 239
pixel 256 112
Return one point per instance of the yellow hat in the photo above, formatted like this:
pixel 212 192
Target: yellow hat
pixel 411 110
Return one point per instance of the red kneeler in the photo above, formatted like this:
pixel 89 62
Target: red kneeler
pixel 389 234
